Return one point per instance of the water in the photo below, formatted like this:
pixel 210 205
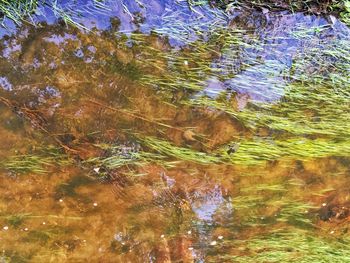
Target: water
pixel 156 132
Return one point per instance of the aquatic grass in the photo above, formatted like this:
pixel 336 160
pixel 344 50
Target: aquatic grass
pixel 192 70
pixel 17 219
pixel 121 156
pixel 254 203
pixel 295 213
pixel 292 136
pixel 241 202
pixel 202 18
pixel 305 109
pixel 289 245
pixel 179 153
pixel 265 187
pixel 73 13
pixel 288 213
pixel 249 152
pixel 27 164
pixel 149 150
pixel 223 53
pixel 338 7
pixel 258 151
pixel 286 228
pixel 315 104
pixel 191 67
pixel 126 156
pixel 37 163
pixel 345 14
pixel 66 16
pixel 19 10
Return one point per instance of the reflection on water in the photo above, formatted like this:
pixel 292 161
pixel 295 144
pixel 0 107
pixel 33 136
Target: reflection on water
pixel 173 134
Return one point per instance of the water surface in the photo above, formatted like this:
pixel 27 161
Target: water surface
pixel 163 132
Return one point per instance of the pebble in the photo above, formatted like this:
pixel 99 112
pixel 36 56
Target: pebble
pixel 213 243
pixel 5 228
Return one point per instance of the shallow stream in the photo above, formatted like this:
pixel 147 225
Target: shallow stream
pixel 158 131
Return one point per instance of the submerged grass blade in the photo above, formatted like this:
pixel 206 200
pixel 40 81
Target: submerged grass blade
pixel 179 153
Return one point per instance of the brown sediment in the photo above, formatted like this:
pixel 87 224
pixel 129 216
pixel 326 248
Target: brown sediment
pixel 36 120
